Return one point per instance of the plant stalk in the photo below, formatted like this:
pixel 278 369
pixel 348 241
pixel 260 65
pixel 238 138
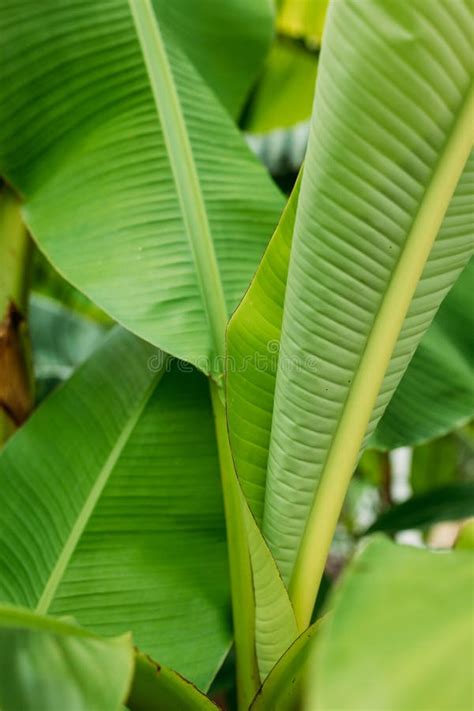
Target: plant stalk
pixel 239 561
pixel 16 377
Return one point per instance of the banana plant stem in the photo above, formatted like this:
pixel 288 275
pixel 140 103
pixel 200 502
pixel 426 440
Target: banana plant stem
pixel 239 561
pixel 16 377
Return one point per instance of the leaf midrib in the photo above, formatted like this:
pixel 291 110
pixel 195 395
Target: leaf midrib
pixel 185 175
pixel 95 493
pixel 368 378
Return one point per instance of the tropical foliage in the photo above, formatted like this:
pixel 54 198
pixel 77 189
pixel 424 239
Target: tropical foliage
pixel 209 364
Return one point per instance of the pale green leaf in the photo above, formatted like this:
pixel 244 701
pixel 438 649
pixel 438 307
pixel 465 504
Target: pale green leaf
pixel 275 624
pixel 110 503
pixel 367 273
pixel 378 179
pixel 439 372
pixel 253 338
pixel 398 636
pixel 50 664
pixel 265 621
pixel 136 183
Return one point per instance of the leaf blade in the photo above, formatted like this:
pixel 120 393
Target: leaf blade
pixel 88 134
pixel 145 534
pixel 373 169
pixel 48 663
pixel 391 598
pixel 184 170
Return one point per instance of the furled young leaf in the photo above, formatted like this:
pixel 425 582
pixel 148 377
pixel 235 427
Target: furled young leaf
pixel 275 624
pixel 136 183
pixel 366 274
pixel 282 689
pixel 377 244
pixel 110 504
pixel 398 636
pixel 439 372
pixel 253 343
pixel 51 664
pixel 266 624
pixel 445 503
pixel 282 150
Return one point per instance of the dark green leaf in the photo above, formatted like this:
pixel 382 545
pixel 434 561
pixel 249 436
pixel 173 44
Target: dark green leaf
pixel 446 503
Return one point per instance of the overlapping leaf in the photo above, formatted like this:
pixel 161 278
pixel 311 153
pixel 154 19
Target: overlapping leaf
pixel 253 342
pixel 282 689
pixel 146 200
pixel 397 637
pixel 53 664
pixel 275 624
pixel 379 176
pixel 111 504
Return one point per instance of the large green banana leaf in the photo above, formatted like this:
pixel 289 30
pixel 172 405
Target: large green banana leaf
pixel 378 241
pixel 49 663
pixel 54 664
pixel 112 512
pixel 399 635
pixel 135 181
pixel 434 396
